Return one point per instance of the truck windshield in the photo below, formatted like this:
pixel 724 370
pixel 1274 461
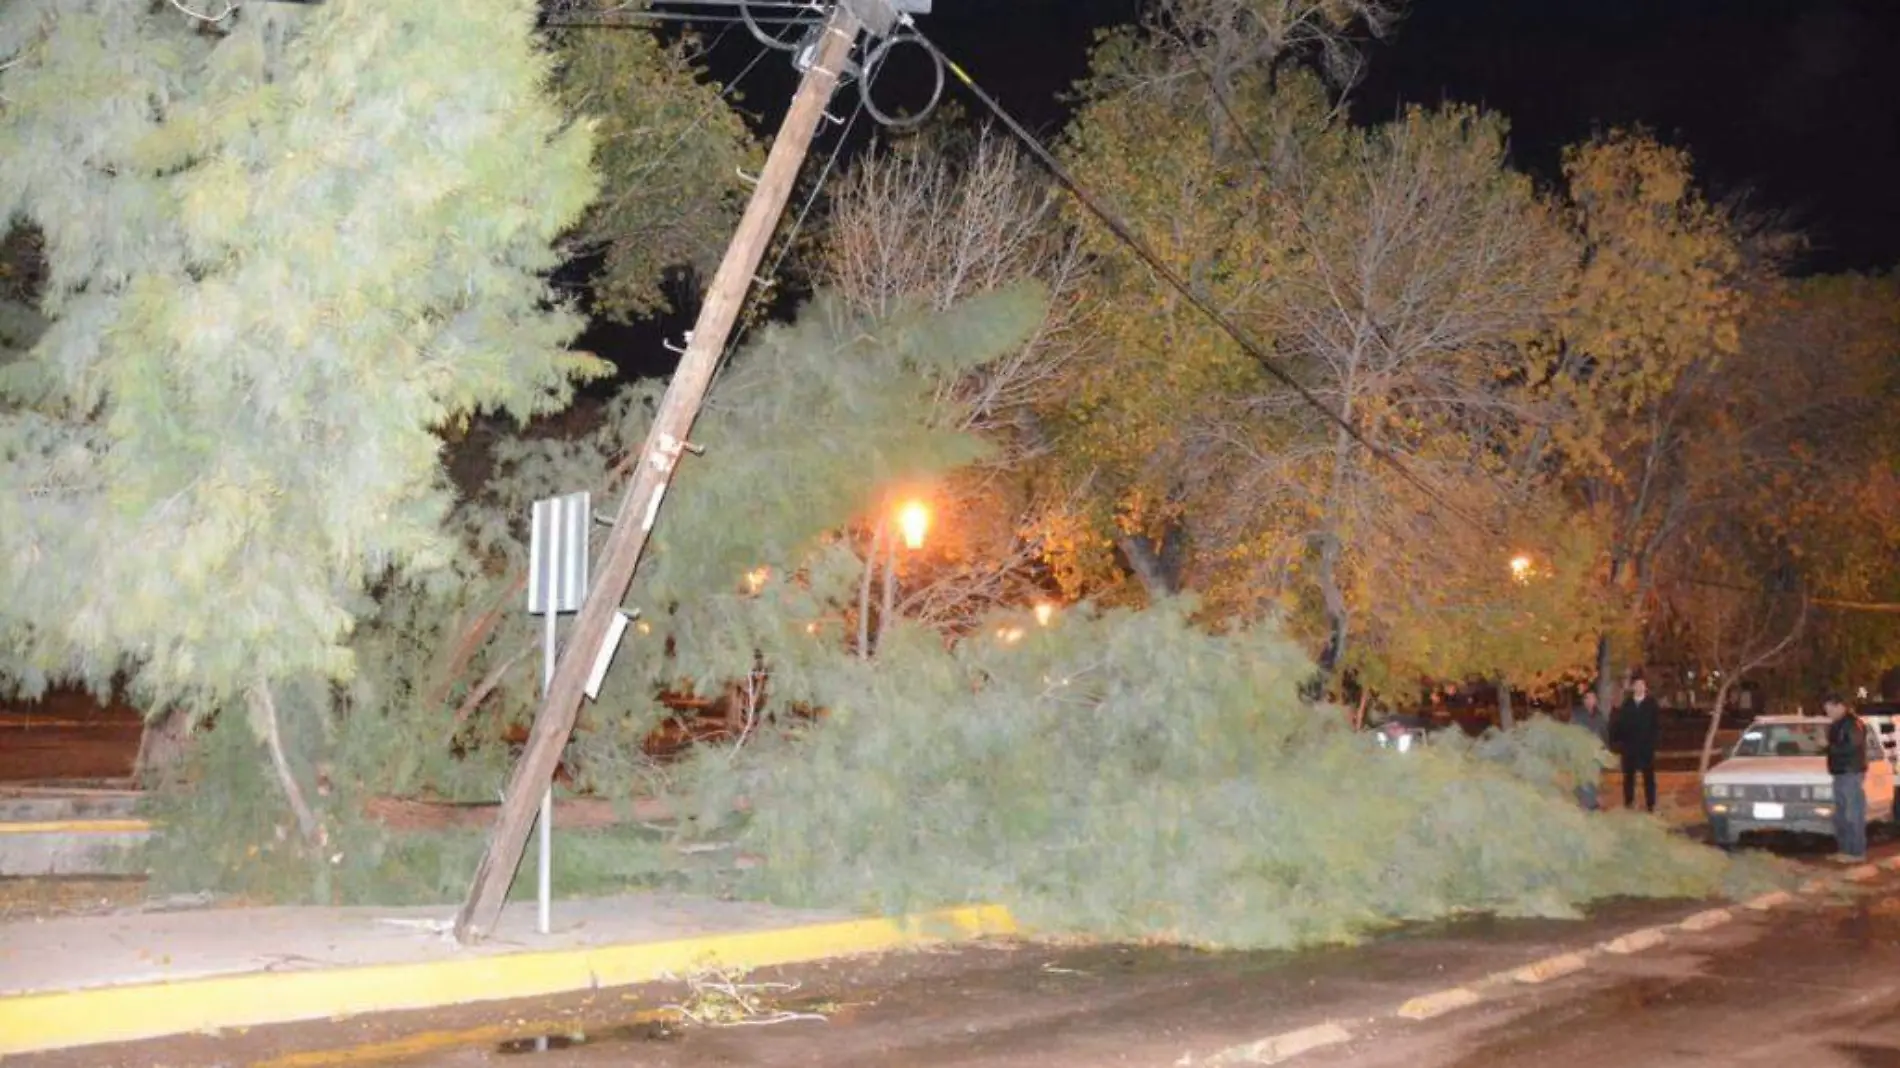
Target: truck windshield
pixel 1783 739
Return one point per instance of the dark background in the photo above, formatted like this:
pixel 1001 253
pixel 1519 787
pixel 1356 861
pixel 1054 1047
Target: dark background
pixel 1792 104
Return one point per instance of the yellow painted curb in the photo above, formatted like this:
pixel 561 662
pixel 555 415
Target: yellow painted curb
pixel 1283 1047
pixel 1703 921
pixel 1429 1005
pixel 1550 968
pixel 30 1022
pixel 1636 941
pixel 127 826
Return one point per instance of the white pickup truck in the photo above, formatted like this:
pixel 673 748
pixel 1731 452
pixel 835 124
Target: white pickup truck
pixel 1775 779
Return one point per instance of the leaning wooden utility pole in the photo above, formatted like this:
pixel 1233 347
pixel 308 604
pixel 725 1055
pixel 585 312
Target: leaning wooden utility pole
pixel 665 441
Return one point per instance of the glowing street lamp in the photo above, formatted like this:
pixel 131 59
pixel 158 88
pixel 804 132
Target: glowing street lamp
pixel 1520 567
pixel 914 520
pixel 1044 613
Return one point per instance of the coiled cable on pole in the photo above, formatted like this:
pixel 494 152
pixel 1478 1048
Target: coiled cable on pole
pixel 875 62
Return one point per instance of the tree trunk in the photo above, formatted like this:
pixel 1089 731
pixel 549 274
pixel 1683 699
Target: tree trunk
pixel 164 743
pixel 266 708
pixel 1606 692
pixel 1335 600
pixel 1715 725
pixel 1506 718
pixel 1157 565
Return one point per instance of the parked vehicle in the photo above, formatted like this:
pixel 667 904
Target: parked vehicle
pixel 1401 733
pixel 1775 779
pixel 1884 719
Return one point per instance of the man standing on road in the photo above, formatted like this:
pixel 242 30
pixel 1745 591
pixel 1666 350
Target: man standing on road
pixel 1588 716
pixel 1847 763
pixel 1635 730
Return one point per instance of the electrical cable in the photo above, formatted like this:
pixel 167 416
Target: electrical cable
pixel 875 62
pixel 766 39
pixel 1201 303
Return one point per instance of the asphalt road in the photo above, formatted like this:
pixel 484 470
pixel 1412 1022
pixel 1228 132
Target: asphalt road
pixel 1813 986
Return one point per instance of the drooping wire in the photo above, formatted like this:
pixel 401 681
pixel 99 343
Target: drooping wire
pixel 1126 235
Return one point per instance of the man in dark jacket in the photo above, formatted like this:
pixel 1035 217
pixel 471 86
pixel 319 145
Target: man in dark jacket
pixel 1635 730
pixel 1847 764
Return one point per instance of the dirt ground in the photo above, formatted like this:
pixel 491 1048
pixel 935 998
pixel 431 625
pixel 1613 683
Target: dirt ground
pixel 45 898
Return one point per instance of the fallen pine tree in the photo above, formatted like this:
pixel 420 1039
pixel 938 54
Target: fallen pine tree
pixel 1128 775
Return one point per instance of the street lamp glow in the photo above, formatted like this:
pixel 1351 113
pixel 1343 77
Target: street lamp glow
pixel 914 520
pixel 1520 566
pixel 1044 613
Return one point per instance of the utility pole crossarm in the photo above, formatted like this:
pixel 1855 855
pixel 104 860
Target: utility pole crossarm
pixel 640 506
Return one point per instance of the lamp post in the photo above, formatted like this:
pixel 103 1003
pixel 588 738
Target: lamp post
pixel 913 524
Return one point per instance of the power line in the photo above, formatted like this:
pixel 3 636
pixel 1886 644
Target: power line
pixel 1128 237
pixel 824 173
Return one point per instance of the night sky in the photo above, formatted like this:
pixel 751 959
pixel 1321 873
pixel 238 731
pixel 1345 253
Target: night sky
pixel 1794 103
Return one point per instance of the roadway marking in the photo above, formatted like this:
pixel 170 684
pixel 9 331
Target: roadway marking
pixel 1550 968
pixel 1703 921
pixel 1636 941
pixel 1429 1005
pixel 1282 1047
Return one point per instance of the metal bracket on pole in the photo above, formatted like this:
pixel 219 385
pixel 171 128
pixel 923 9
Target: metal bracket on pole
pixel 880 17
pixel 605 658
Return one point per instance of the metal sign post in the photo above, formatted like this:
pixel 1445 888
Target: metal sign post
pixel 557 582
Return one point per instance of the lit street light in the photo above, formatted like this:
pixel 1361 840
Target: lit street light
pixel 914 520
pixel 1044 613
pixel 1520 567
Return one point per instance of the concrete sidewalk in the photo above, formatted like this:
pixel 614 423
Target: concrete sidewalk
pixel 87 980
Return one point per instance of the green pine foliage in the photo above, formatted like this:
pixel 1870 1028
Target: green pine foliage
pixel 803 434
pixel 671 149
pixel 1127 774
pixel 284 250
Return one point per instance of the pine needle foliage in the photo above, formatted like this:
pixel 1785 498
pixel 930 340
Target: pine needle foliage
pixel 1129 775
pixel 804 433
pixel 284 249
